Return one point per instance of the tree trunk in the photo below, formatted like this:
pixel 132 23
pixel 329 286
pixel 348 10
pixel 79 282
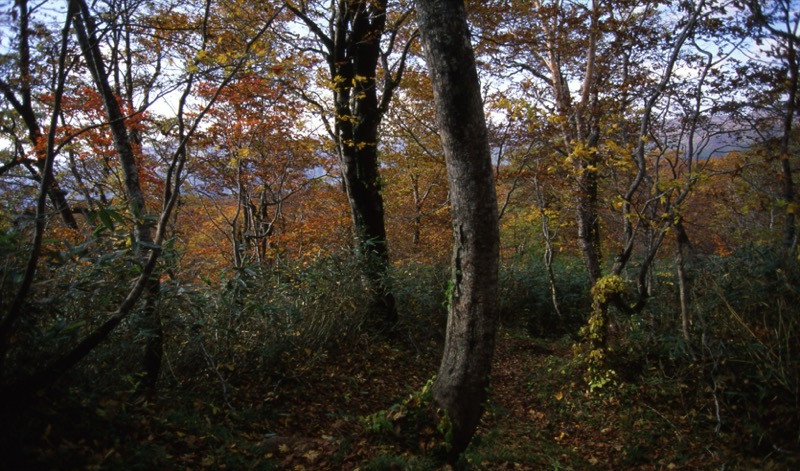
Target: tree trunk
pixel 461 385
pixel 355 61
pixel 9 319
pixel 151 325
pixel 548 236
pixel 352 49
pixel 683 246
pixel 774 18
pixel 588 221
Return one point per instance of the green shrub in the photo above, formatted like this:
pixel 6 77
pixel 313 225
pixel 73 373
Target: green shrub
pixel 526 301
pixel 743 357
pixel 258 317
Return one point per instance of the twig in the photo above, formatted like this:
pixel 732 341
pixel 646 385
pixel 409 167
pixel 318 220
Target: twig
pixel 677 430
pixel 213 365
pixel 714 391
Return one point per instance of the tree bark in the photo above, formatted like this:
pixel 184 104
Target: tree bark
pixel 588 220
pixel 87 38
pixel 353 64
pixel 352 50
pixel 461 385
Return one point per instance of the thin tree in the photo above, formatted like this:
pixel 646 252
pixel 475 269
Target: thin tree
pixel 13 393
pixel 21 100
pixel 780 20
pixel 10 319
pixel 87 38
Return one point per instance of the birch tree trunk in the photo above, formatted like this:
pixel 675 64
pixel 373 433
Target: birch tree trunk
pixel 683 248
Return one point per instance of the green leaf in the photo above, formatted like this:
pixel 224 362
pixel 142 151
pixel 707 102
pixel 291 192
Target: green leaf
pixel 105 218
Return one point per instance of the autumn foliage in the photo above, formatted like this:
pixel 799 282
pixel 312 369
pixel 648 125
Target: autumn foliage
pixel 644 155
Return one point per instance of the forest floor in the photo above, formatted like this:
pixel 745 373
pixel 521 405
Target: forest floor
pixel 539 416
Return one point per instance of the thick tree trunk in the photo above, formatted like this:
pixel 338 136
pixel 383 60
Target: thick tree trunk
pixel 352 49
pixel 461 385
pixel 151 325
pixel 354 62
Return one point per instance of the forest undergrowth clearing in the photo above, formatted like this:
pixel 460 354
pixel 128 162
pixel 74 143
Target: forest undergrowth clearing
pixel 540 415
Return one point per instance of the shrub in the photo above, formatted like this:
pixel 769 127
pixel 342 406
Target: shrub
pixel 526 301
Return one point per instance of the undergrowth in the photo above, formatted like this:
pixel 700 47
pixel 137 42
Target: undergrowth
pixel 274 369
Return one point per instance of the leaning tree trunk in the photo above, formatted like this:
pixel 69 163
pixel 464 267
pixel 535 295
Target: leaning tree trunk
pixel 152 329
pixel 461 385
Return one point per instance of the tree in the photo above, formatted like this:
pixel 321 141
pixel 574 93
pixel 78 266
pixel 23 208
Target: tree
pixel 352 45
pixel 150 233
pixel 253 155
pixel 19 93
pixel 143 224
pixel 603 74
pixel 461 384
pixel 779 20
pixel 10 319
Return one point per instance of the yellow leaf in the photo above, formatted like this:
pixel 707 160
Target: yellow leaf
pixel 311 455
pixel 559 396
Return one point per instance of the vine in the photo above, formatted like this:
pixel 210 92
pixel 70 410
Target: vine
pixel 410 420
pixel 598 374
